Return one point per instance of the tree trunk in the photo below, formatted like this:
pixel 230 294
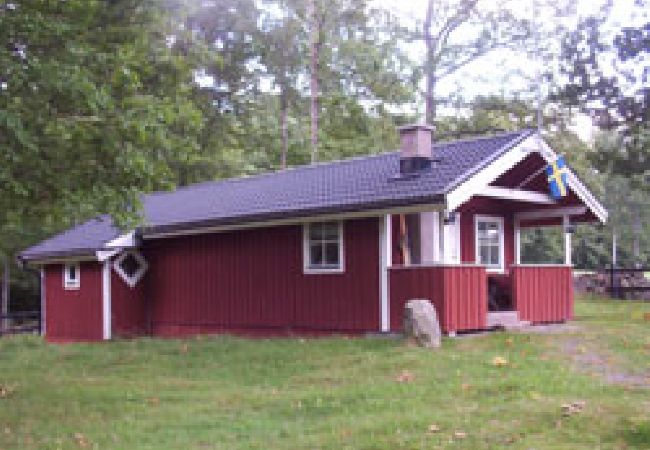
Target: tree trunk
pixel 4 302
pixel 429 101
pixel 314 56
pixel 636 244
pixel 284 127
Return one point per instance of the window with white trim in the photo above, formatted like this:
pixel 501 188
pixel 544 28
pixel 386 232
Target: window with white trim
pixel 489 242
pixel 71 276
pixel 130 266
pixel 323 247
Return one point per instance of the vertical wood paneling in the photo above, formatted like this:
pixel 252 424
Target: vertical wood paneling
pixel 74 315
pixel 459 294
pixel 543 293
pixel 253 281
pixel 128 308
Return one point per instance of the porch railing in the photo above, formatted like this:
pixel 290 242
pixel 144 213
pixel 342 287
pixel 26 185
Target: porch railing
pixel 20 322
pixel 543 293
pixel 459 293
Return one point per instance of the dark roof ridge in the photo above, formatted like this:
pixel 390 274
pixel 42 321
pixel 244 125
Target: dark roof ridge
pixel 305 167
pixel 527 131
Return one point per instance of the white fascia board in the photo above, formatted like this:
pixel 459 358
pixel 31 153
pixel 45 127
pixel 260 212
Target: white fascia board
pixel 551 213
pixel 126 240
pixel 520 195
pixel 478 183
pixel 480 180
pixel 575 184
pixel 103 255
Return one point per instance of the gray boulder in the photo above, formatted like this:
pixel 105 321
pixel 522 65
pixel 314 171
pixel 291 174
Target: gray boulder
pixel 421 323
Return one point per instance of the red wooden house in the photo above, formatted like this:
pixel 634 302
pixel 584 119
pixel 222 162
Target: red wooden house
pixel 327 248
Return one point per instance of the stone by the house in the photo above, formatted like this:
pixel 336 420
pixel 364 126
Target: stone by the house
pixel 421 323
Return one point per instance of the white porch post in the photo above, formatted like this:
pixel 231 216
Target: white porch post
pixel 567 239
pixel 517 241
pixel 385 259
pixel 450 238
pixel 106 300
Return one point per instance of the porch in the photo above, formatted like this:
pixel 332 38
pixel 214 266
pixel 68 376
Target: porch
pixel 468 261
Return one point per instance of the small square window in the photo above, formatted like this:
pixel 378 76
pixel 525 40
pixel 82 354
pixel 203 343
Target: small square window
pixel 489 242
pixel 71 276
pixel 323 247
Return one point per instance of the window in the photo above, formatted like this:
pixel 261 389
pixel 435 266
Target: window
pixel 323 247
pixel 71 276
pixel 489 242
pixel 131 267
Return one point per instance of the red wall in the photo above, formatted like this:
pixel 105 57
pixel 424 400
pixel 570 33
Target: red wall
pixel 488 207
pixel 252 281
pixel 128 307
pixel 459 294
pixel 74 315
pixel 543 293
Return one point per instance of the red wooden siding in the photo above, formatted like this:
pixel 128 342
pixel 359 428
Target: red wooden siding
pixel 253 281
pixel 543 293
pixel 459 294
pixel 128 308
pixel 487 207
pixel 74 315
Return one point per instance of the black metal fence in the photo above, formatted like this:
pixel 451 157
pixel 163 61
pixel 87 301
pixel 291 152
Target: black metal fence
pixel 624 282
pixel 20 322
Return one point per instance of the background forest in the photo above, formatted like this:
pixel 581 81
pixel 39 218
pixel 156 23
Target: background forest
pixel 103 100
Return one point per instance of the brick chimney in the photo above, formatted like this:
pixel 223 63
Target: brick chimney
pixel 416 150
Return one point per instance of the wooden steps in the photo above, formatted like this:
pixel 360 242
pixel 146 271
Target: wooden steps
pixel 508 320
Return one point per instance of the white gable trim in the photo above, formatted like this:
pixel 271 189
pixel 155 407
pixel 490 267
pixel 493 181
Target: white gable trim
pixel 478 184
pixel 521 195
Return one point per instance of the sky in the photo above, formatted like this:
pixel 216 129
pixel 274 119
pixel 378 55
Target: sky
pixel 493 73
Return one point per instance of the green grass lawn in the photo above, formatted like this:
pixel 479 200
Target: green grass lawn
pixel 229 393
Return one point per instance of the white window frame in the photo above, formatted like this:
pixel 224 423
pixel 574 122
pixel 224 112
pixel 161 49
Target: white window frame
pixel 130 280
pixel 306 249
pixel 477 255
pixel 68 283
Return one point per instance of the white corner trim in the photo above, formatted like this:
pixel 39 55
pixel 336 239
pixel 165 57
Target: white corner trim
pixel 131 280
pixel 520 195
pixel 551 213
pixel 517 241
pixel 385 258
pixel 566 222
pixel 477 255
pixel 306 255
pixel 106 300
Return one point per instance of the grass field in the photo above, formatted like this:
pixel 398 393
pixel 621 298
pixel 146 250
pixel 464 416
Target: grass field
pixel 229 393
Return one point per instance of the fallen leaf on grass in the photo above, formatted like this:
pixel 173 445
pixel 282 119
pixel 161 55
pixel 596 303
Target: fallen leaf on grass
pixel 499 361
pixel 509 342
pixel 153 401
pixel 646 316
pixel 433 428
pixel 6 390
pixel 466 386
pixel 184 348
pixel 460 434
pixel 405 376
pixel 81 440
pixel 576 407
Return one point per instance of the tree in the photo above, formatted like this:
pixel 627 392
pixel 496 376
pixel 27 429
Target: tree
pixel 607 77
pixel 96 106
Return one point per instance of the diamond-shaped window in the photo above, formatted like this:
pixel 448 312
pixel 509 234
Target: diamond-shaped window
pixel 130 266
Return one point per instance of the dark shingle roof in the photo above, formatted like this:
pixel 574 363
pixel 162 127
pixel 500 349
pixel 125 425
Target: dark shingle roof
pixel 348 185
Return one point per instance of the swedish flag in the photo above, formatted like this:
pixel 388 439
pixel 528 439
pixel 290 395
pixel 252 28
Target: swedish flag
pixel 557 178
